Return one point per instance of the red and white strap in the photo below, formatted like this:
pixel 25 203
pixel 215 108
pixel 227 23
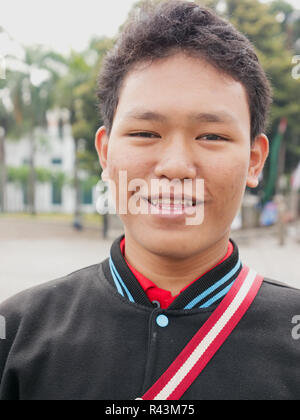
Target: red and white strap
pixel 208 340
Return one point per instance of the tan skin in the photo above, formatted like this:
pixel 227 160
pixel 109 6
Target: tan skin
pixel 156 135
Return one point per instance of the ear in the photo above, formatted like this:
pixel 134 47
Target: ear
pixel 258 156
pixel 101 144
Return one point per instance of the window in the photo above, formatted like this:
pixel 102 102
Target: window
pixel 56 161
pixel 56 193
pixel 86 194
pixel 25 193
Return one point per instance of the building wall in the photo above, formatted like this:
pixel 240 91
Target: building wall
pixel 55 151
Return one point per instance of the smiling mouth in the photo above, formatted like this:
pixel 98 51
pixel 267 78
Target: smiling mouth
pixel 173 205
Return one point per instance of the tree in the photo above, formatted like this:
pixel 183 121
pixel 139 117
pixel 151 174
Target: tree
pixel 289 19
pixel 77 92
pixel 30 89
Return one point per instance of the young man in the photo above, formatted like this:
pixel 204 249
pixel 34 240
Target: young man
pixel 183 98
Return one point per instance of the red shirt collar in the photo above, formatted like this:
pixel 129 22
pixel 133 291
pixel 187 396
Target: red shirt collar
pixel 154 293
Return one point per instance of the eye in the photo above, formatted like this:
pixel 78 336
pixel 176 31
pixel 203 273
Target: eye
pixel 212 137
pixel 144 134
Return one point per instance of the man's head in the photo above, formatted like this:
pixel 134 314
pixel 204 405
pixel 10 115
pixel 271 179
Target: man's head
pixel 177 26
pixel 183 96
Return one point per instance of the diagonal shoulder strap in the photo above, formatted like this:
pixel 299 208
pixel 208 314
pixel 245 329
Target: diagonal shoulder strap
pixel 208 340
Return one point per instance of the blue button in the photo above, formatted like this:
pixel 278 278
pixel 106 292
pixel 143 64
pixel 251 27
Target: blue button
pixel 162 321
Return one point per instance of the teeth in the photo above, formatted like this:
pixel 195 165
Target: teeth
pixel 178 202
pixel 167 202
pixel 188 203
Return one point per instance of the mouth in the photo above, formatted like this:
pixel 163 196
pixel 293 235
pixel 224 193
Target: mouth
pixel 173 204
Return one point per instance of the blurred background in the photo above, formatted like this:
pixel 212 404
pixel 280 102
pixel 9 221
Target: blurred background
pixel 50 55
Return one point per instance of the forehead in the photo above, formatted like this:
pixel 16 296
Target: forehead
pixel 181 85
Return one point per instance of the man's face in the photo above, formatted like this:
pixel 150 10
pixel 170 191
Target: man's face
pixel 179 118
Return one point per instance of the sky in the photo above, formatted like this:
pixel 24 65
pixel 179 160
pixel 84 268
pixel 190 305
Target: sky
pixel 63 25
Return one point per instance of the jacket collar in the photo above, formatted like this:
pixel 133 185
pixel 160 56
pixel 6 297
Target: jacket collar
pixel 208 290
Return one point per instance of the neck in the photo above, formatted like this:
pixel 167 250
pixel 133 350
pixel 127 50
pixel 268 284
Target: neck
pixel 173 274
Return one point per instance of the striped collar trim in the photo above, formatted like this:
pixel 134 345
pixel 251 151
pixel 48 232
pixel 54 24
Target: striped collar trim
pixel 205 292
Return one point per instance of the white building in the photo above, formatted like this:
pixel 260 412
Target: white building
pixel 55 151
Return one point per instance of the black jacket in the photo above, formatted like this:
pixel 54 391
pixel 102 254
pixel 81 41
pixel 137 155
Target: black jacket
pixel 79 338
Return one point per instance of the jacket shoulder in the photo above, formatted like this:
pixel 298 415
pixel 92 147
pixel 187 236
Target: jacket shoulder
pixel 279 297
pixel 280 284
pixel 37 305
pixel 52 295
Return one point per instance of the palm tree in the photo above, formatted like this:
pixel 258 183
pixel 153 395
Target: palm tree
pixel 77 92
pixel 31 92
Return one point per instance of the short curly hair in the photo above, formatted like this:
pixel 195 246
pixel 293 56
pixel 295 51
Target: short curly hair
pixel 161 30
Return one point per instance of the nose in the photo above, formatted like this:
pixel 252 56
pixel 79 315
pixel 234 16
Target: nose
pixel 176 161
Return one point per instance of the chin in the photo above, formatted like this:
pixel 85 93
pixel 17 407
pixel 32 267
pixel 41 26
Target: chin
pixel 171 251
pixel 169 243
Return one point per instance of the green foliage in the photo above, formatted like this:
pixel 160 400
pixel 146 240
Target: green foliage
pixel 80 130
pixel 18 175
pixel 89 183
pixel 76 91
pixel 31 90
pixel 21 175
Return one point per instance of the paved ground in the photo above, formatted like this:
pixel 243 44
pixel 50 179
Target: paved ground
pixel 33 252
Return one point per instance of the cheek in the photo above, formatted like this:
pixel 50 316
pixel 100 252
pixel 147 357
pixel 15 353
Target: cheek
pixel 118 161
pixel 125 166
pixel 229 182
pixel 135 162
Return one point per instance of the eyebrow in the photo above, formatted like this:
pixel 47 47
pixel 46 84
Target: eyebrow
pixel 200 117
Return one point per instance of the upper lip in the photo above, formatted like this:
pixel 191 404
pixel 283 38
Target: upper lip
pixel 174 197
